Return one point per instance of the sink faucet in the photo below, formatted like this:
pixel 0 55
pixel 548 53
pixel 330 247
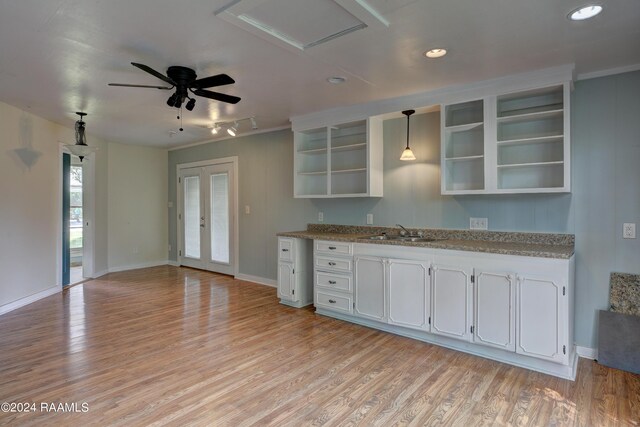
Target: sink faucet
pixel 407 232
pixel 404 229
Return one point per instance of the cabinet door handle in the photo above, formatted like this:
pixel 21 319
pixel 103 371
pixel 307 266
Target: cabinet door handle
pixel 332 263
pixel 285 250
pixel 332 282
pixel 333 248
pixel 332 301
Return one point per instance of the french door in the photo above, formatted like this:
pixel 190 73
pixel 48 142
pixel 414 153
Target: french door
pixel 207 217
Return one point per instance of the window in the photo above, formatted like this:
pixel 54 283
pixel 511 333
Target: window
pixel 75 223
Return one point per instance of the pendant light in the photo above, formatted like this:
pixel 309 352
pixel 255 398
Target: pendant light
pixel 407 154
pixel 80 148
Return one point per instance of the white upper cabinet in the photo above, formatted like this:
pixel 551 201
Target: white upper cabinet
pixel 516 142
pixel 341 160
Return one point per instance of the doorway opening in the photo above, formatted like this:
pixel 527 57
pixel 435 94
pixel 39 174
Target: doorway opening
pixel 76 220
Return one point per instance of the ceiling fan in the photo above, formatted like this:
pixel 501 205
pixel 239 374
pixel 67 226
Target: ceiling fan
pixel 185 80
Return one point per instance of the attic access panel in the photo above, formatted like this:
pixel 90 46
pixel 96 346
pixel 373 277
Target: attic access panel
pixel 301 24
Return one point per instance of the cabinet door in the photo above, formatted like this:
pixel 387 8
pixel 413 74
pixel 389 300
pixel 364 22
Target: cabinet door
pixel 287 282
pixel 409 293
pixel 494 322
pixel 369 288
pixel 538 321
pixel 451 302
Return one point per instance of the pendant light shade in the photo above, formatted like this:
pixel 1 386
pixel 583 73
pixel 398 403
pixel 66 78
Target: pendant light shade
pixel 407 154
pixel 80 148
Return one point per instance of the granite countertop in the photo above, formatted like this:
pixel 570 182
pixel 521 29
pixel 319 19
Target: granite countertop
pixel 540 245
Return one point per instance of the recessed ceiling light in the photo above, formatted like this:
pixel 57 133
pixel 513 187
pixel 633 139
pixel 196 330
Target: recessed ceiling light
pixel 436 53
pixel 585 12
pixel 336 80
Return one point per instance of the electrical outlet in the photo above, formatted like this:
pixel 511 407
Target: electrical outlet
pixel 369 219
pixel 320 216
pixel 169 248
pixel 629 230
pixel 247 209
pixel 478 223
pixel 170 204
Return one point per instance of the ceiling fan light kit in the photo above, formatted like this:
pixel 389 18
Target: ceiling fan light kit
pixel 185 80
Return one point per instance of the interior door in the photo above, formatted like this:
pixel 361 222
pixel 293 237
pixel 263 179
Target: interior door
pixel 208 218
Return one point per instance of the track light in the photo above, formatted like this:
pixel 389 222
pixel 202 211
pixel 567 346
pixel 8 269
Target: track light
pixel 215 129
pixel 232 130
pixel 254 125
pixel 191 104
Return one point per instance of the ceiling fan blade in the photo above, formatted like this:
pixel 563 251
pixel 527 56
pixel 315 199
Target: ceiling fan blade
pixel 154 73
pixel 218 80
pixel 128 85
pixel 217 96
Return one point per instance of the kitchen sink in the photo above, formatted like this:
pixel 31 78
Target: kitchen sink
pixel 416 239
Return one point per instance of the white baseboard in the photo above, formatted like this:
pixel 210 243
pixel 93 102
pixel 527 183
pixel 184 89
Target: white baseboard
pixel 173 263
pixel 28 300
pixel 99 273
pixel 258 280
pixel 137 266
pixel 587 352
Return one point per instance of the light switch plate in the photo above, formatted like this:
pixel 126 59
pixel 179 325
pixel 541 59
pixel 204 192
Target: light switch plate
pixel 629 230
pixel 320 216
pixel 247 209
pixel 478 223
pixel 369 219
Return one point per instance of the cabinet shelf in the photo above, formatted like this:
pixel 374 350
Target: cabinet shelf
pixel 313 173
pixel 349 170
pixel 524 165
pixel 350 147
pixel 464 158
pixel 463 128
pixel 531 116
pixel 534 140
pixel 313 151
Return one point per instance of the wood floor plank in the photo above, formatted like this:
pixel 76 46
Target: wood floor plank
pixel 176 346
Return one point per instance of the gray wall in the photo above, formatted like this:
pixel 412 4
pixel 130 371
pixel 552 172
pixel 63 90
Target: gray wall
pixel 605 193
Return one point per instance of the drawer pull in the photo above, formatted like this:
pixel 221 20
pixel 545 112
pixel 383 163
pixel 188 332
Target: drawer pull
pixel 332 282
pixel 332 301
pixel 332 263
pixel 333 248
pixel 285 250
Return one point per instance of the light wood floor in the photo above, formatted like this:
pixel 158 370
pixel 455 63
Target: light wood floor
pixel 174 346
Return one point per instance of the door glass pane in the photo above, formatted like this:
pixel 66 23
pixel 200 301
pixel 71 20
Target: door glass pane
pixel 192 216
pixel 220 217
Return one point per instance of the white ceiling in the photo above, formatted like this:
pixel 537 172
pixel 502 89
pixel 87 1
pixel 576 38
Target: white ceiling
pixel 57 56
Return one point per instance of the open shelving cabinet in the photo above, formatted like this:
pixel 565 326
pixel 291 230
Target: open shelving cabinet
pixel 516 142
pixel 342 160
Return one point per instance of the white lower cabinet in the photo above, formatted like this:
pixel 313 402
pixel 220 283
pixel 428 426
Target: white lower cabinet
pixel 510 308
pixel 494 303
pixel 295 271
pixel 409 293
pixel 370 295
pixel 542 317
pixel 287 282
pixel 451 302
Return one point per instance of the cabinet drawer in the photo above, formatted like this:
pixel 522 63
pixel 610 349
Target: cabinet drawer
pixel 334 281
pixel 329 301
pixel 286 249
pixel 334 264
pixel 341 248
